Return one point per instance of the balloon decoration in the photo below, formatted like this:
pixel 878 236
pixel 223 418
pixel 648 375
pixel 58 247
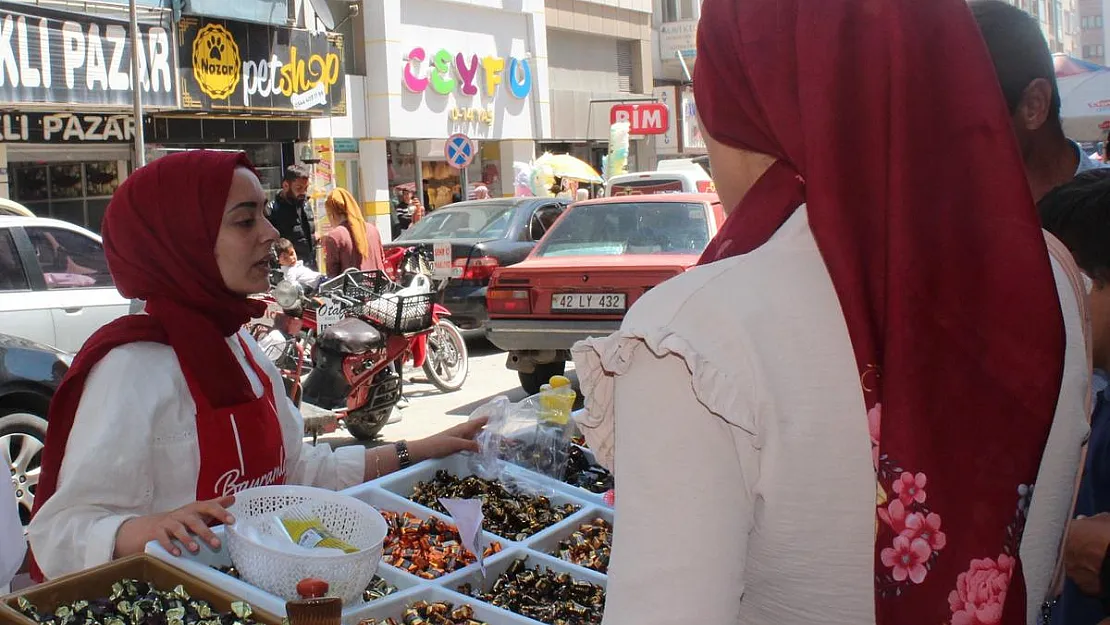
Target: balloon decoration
pixel 616 163
pixel 522 179
pixel 543 178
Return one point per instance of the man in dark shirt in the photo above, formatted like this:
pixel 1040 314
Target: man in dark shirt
pixel 292 216
pixel 1023 64
pixel 1078 213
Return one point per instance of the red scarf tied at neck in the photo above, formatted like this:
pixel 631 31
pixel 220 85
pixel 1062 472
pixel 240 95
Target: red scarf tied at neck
pixel 160 234
pixel 888 123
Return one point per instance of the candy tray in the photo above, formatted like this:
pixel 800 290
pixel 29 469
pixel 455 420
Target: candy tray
pixel 390 493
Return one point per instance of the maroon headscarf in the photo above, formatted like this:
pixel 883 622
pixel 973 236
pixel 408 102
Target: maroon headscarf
pixel 160 234
pixel 888 123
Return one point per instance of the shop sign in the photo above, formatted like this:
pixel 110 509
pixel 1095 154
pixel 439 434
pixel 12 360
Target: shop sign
pixel 345 146
pixel 236 66
pixel 467 74
pixel 678 39
pixel 66 128
pixel 58 57
pixel 667 143
pixel 692 139
pixel 649 118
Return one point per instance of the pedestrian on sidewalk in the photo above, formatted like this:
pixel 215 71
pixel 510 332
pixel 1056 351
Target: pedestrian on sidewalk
pixel 292 215
pixel 164 416
pixel 352 242
pixel 839 416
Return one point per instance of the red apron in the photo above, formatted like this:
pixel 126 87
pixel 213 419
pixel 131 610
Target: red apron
pixel 241 446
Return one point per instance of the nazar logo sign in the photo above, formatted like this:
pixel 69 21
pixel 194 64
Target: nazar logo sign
pixel 216 62
pixel 236 66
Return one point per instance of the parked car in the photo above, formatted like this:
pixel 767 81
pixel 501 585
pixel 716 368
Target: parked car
pixel 594 263
pixel 29 375
pixel 671 176
pixel 484 235
pixel 55 287
pixel 11 207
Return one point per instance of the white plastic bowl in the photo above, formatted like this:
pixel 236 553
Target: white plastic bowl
pixel 278 572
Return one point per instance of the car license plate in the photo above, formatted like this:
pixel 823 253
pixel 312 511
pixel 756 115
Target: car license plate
pixel 587 301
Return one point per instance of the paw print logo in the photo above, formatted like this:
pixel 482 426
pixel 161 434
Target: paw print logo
pixel 216 49
pixel 217 65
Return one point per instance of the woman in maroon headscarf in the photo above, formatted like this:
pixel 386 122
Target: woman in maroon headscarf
pixel 840 417
pixel 164 416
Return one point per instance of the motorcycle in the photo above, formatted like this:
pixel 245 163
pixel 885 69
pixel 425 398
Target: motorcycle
pixel 365 324
pixel 286 336
pixel 442 353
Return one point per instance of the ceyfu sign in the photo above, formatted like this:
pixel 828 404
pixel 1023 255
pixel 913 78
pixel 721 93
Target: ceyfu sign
pixel 235 66
pixel 467 75
pixel 57 57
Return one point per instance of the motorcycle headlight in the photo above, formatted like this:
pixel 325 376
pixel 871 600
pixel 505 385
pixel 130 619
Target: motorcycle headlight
pixel 288 294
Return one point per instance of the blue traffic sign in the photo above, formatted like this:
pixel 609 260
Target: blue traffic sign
pixel 459 151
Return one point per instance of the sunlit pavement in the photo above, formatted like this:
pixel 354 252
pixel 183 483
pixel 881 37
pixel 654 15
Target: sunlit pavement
pixel 431 410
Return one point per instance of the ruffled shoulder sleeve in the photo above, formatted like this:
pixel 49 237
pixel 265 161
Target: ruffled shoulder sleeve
pixel 722 376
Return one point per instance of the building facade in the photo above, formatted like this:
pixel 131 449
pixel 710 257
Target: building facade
pixel 437 69
pixel 1093 33
pixel 676 26
pixel 1059 20
pixel 600 54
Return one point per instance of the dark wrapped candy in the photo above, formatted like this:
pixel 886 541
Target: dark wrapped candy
pixel 507 513
pixel 437 613
pixel 543 595
pixel 584 474
pixel 133 602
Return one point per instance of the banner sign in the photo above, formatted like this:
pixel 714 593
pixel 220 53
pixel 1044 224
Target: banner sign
pixel 66 128
pixel 241 67
pixel 57 57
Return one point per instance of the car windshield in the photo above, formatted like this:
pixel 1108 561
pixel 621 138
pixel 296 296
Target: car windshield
pixel 629 228
pixel 463 221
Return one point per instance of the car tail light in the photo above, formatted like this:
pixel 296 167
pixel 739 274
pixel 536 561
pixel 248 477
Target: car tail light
pixel 479 269
pixel 508 301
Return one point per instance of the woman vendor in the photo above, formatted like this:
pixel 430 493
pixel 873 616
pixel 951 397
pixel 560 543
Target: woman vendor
pixel 164 416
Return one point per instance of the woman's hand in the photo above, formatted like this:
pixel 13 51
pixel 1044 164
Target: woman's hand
pixel 185 525
pixel 450 441
pixel 1084 549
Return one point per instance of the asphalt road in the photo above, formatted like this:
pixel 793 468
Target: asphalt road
pixel 431 410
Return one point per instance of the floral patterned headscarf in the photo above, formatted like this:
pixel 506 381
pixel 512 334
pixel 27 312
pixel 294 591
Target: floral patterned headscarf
pixel 888 124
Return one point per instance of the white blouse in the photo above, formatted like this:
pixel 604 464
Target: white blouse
pixel 133 451
pixel 745 488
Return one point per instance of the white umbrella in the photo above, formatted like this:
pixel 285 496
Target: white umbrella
pixel 1085 109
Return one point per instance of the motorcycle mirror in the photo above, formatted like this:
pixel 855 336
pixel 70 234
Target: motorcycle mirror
pixel 288 294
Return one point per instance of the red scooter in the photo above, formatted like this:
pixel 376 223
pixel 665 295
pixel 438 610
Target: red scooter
pixel 442 353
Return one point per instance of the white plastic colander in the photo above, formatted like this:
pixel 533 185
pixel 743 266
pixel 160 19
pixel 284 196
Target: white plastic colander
pixel 278 572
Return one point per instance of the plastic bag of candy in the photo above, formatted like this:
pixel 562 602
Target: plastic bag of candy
pixel 534 433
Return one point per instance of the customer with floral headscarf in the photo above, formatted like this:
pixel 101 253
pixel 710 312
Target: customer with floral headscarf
pixel 839 418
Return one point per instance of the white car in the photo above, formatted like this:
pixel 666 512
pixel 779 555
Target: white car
pixel 55 287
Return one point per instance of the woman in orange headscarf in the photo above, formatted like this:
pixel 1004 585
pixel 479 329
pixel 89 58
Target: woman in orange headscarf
pixel 352 243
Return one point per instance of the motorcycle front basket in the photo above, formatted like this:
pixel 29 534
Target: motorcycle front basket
pixel 359 285
pixel 400 314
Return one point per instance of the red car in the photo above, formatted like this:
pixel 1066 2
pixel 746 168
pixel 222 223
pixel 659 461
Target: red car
pixel 591 266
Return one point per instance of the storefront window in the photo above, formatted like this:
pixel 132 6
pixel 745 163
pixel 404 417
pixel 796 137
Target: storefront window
pixel 402 166
pixel 77 192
